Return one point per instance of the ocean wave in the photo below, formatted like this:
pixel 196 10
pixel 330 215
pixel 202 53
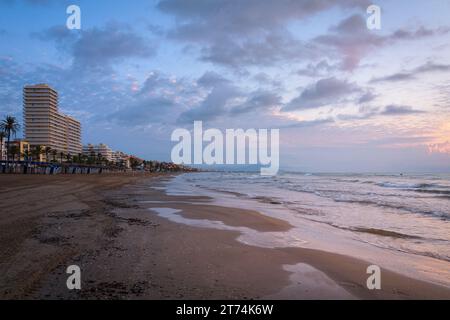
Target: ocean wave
pixel 433 191
pixel 423 253
pixel 396 185
pixel 384 233
pixel 438 214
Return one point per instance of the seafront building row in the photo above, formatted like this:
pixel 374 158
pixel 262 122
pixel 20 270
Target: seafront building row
pixel 50 134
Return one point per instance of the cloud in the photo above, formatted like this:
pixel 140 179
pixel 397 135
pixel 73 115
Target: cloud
pixel 421 32
pixel 160 84
pixel 238 33
pixel 323 92
pixel 443 148
pixel 263 79
pixel 224 99
pixel 401 76
pixel 144 112
pixel 353 40
pixel 411 75
pixel 211 79
pixel 432 67
pixel 268 49
pixel 367 112
pixel 364 113
pixel 98 48
pixel 214 105
pixel 396 110
pixel 258 102
pixel 367 97
pixel 243 17
pixel 308 123
pixel 30 2
pixel 319 69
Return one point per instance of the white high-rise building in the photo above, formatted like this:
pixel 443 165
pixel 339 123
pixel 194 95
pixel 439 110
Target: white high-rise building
pixel 44 125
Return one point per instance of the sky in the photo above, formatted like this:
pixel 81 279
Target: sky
pixel 345 98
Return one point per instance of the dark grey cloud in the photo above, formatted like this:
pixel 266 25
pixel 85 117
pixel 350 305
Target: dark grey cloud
pixel 368 112
pixel 323 92
pixel 421 32
pixel 401 76
pixel 111 44
pixel 41 3
pixel 319 69
pixel 395 110
pixel 98 48
pixel 144 112
pixel 411 75
pixel 268 49
pixel 223 98
pixel 160 100
pixel 211 79
pixel 58 33
pixel 160 84
pixel 214 105
pixel 242 34
pixel 308 123
pixel 263 79
pixel 258 102
pixel 353 40
pixel 432 67
pixel 367 97
pixel 364 112
pixel 239 33
pixel 243 17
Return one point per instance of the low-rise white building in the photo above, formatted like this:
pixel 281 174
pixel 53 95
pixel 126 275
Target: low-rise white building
pixel 121 159
pixel 99 149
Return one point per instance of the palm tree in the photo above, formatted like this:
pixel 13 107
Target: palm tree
pixel 47 151
pixel 10 126
pixel 80 158
pixel 54 153
pixel 38 151
pixel 68 157
pixel 92 157
pixel 61 156
pixel 14 150
pixel 26 155
pixel 99 158
pixel 2 139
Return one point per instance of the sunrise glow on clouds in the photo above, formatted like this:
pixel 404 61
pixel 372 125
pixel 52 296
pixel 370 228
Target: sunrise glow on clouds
pixel 345 98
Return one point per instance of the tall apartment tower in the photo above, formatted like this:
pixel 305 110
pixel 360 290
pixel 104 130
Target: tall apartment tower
pixel 45 125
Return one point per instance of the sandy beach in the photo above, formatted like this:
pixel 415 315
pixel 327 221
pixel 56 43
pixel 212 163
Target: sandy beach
pixel 110 227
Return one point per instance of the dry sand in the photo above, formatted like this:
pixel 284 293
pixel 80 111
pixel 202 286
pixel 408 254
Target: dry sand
pixel 126 251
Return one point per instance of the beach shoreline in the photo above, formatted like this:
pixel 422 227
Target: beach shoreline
pixel 111 227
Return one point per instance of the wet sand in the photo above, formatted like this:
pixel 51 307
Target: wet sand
pixel 109 226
